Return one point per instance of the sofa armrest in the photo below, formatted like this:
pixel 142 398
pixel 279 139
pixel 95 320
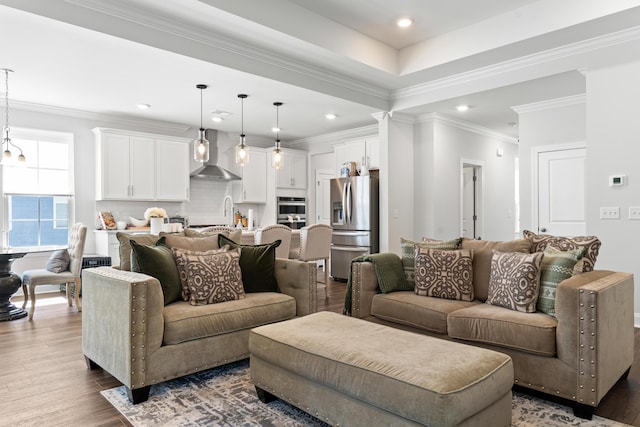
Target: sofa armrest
pixel 595 329
pixel 122 321
pixel 299 280
pixel 364 285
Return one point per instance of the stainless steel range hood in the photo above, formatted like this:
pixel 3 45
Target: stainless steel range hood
pixel 211 170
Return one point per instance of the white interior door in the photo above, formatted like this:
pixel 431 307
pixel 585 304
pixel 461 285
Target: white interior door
pixel 471 200
pixel 562 192
pixel 323 201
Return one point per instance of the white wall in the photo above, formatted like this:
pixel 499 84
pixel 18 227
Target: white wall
pixel 325 161
pixel 613 148
pixel 543 125
pixel 441 147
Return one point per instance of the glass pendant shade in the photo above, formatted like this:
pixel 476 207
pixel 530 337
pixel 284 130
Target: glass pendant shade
pixel 242 152
pixel 277 159
pixel 201 145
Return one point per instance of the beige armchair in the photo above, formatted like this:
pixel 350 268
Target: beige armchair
pixel 315 244
pixel 271 233
pixel 33 278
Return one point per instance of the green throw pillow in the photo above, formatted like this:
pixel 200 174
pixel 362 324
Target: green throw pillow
pixel 157 261
pixel 556 266
pixel 407 251
pixel 257 263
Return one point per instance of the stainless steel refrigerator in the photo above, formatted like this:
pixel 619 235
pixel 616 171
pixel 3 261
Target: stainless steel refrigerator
pixel 354 218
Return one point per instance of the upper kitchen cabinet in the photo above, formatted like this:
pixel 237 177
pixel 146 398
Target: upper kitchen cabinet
pixel 138 166
pixel 293 173
pixel 358 151
pixel 253 186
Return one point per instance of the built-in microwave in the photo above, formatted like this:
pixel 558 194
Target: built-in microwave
pixel 292 211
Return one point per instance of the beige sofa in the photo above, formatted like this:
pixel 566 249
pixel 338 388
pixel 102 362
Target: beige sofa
pixel 128 331
pixel 577 355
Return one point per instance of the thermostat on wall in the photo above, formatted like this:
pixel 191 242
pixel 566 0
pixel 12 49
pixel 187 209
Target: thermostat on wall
pixel 617 180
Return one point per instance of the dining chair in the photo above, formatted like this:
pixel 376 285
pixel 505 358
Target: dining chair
pixel 271 233
pixel 42 276
pixel 315 245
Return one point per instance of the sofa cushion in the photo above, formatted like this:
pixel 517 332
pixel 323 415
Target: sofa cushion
pixel 530 332
pixel 482 252
pixel 235 235
pixel 556 266
pixel 515 280
pixel 157 261
pixel 257 263
pixel 125 246
pixel 539 242
pixel 182 257
pixel 407 308
pixel 214 277
pixel 444 274
pixel 407 252
pixel 184 322
pixel 190 243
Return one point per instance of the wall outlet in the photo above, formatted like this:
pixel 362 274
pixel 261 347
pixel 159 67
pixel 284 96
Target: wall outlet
pixel 610 212
pixel 634 212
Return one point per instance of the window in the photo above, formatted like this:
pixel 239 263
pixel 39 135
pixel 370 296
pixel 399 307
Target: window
pixel 39 195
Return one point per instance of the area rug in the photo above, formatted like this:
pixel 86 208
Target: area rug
pixel 225 396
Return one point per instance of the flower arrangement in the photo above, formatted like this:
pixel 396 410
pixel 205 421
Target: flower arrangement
pixel 155 213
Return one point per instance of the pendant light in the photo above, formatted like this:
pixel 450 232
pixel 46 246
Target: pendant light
pixel 276 160
pixel 6 141
pixel 242 150
pixel 201 145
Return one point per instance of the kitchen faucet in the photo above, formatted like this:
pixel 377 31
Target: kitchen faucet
pixel 224 209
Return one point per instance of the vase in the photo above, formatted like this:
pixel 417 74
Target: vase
pixel 156 225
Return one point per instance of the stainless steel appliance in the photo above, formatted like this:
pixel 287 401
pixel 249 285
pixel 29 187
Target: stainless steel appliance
pixel 354 218
pixel 292 211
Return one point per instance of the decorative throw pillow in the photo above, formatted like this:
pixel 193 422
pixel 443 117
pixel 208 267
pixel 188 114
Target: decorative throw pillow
pixel 235 235
pixel 157 261
pixel 198 244
pixel 539 242
pixel 214 277
pixel 181 257
pixel 444 274
pixel 407 251
pixel 515 280
pixel 556 266
pixel 257 263
pixel 58 261
pixel 482 253
pixel 125 246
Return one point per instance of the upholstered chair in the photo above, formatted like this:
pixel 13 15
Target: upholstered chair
pixel 315 244
pixel 216 229
pixel 271 233
pixel 71 276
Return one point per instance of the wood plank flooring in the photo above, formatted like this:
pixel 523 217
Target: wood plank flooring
pixel 44 380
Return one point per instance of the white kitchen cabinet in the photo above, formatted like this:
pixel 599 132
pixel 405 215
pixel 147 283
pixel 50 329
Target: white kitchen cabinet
pixel 293 173
pixel 138 166
pixel 356 152
pixel 366 149
pixel 372 152
pixel 253 186
pixel 172 170
pixel 340 152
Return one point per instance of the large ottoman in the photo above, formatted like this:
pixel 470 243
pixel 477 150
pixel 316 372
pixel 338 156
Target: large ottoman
pixel 351 372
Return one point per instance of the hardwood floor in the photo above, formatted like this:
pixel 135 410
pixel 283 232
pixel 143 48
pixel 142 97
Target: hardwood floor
pixel 44 380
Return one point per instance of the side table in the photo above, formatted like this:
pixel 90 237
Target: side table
pixel 10 282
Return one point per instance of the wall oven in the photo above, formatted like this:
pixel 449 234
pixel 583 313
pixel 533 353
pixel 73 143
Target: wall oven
pixel 292 211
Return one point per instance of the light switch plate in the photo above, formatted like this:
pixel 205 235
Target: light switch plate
pixel 612 212
pixel 634 212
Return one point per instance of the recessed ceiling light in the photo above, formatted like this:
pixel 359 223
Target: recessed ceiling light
pixel 275 129
pixel 462 108
pixel 404 22
pixel 330 116
pixel 143 106
pixel 217 119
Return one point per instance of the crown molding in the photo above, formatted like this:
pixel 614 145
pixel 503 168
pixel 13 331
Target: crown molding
pixel 517 64
pixel 551 103
pixel 339 136
pixel 222 42
pixel 467 126
pixel 113 119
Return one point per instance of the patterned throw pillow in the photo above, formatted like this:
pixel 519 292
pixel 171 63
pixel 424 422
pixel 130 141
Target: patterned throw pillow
pixel 444 274
pixel 556 266
pixel 182 257
pixel 539 242
pixel 515 280
pixel 407 251
pixel 214 277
